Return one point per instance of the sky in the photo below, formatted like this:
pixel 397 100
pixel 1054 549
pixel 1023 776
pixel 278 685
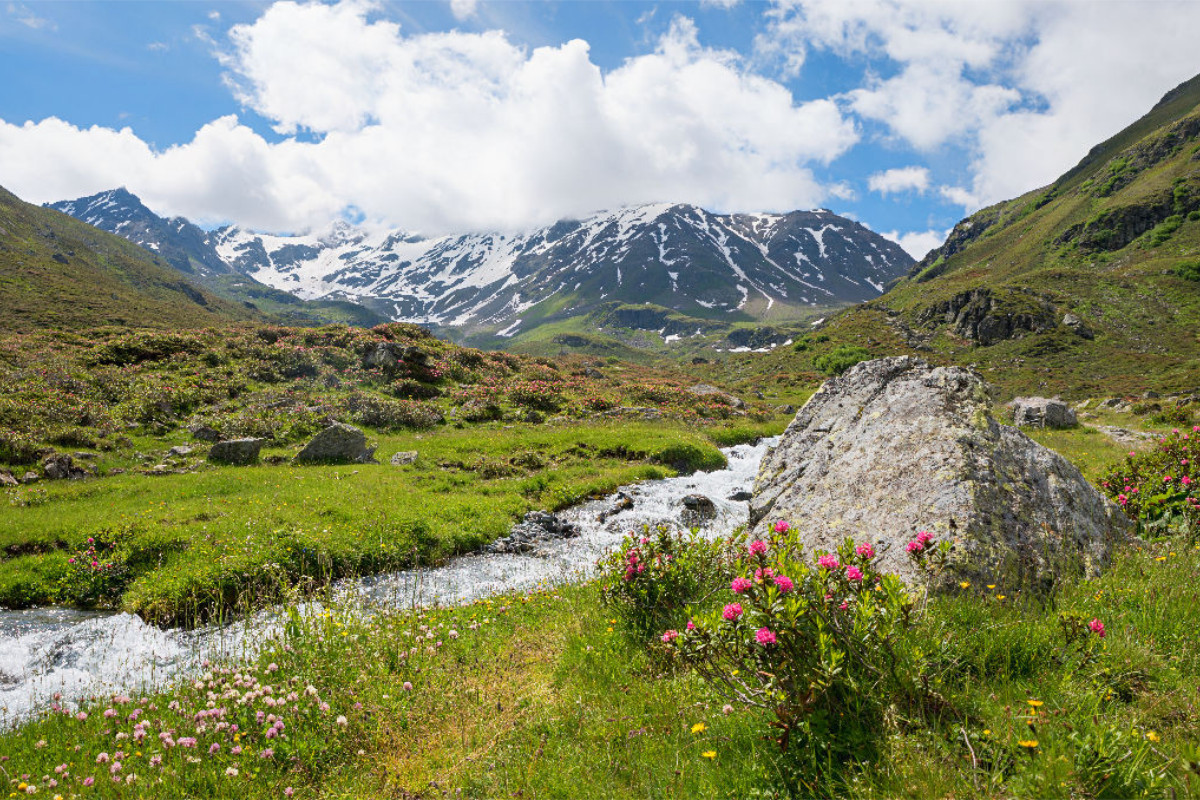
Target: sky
pixel 447 116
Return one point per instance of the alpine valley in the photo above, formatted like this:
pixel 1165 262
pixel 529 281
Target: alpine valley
pixel 705 270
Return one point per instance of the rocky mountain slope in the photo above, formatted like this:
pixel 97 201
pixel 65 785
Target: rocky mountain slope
pixel 189 249
pixel 57 272
pixel 1088 285
pixel 728 267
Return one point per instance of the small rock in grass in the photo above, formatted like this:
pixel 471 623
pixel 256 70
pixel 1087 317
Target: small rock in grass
pixel 339 443
pixel 404 457
pixel 180 450
pixel 7 479
pixel 30 477
pixel 238 452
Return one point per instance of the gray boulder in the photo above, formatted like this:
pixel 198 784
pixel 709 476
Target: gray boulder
pixel 404 457
pixel 533 535
pixel 1041 412
pixel 60 466
pixel 339 443
pixel 697 510
pixel 238 452
pixel 7 478
pixel 895 446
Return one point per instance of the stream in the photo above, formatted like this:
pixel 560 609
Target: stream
pixel 82 654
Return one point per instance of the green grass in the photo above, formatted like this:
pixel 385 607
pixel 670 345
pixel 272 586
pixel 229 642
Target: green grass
pixel 541 696
pixel 191 545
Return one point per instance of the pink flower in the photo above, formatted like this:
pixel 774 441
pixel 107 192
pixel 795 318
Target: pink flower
pixel 784 583
pixel 740 585
pixel 865 550
pixel 115 768
pixel 782 527
pixel 853 573
pixel 266 752
pixel 762 574
pixel 844 605
pixel 1185 480
pixel 732 611
pixel 88 781
pixel 1097 627
pixel 81 716
pixel 670 636
pixel 765 636
pixel 407 686
pixel 102 758
pixel 691 626
pixel 758 547
pixel 187 741
pixel 924 537
pixel 214 748
pixel 288 792
pixel 914 547
pixel 828 561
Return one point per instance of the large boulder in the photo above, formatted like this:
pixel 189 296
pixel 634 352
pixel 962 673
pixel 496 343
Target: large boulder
pixel 238 452
pixel 1041 412
pixel 895 446
pixel 338 444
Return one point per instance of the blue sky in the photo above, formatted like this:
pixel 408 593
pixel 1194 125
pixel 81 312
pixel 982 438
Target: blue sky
pixel 451 116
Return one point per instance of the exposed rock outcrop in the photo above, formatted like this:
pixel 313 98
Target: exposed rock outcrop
pixel 988 317
pixel 338 444
pixel 895 446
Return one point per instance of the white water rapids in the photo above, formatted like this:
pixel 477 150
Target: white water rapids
pixel 89 654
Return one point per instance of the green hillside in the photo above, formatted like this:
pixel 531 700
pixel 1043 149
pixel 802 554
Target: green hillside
pixel 1090 285
pixel 58 272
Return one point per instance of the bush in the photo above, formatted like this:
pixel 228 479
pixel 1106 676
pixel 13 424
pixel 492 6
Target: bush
pixel 1158 487
pixel 1188 270
pixel 815 645
pixel 653 578
pixel 841 358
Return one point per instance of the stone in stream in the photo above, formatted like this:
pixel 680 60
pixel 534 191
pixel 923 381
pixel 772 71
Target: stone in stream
pixel 697 510
pixel 532 534
pixel 1041 412
pixel 238 452
pixel 339 443
pixel 895 446
pixel 623 503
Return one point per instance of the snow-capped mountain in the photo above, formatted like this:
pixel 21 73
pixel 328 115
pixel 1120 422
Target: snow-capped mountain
pixel 674 255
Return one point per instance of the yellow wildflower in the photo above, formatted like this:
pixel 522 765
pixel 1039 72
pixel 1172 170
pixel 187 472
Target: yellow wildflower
pixel 1030 743
pixel 1152 736
pixel 709 754
pixel 699 727
pixel 964 584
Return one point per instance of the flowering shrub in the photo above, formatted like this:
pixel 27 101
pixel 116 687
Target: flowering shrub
pixel 95 577
pixel 654 577
pixel 1158 488
pixel 813 643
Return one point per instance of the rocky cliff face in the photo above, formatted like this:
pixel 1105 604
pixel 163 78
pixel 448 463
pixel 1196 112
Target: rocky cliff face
pixel 895 446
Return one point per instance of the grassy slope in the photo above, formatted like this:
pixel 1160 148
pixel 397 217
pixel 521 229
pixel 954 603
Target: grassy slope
pixel 1144 316
pixel 105 280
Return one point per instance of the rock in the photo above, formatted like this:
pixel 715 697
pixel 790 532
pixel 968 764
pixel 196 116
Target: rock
pixel 1040 412
pixel 705 390
pixel 623 503
pixel 161 469
pixel 787 408
pixel 204 433
pixel 83 455
pixel 532 534
pixel 895 446
pixel 1077 326
pixel 238 452
pixel 592 372
pixel 697 510
pixel 7 479
pixel 1150 395
pixel 403 458
pixel 57 467
pixel 533 417
pixel 180 450
pixel 30 477
pixel 741 496
pixel 389 355
pixel 339 443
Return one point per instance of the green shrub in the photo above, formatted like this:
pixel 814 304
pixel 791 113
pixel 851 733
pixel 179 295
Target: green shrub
pixel 1177 415
pixel 650 582
pixel 1188 270
pixel 817 645
pixel 841 358
pixel 1165 229
pixel 1158 487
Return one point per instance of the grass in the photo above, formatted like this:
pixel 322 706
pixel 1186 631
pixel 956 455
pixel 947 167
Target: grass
pixel 540 696
pixel 189 546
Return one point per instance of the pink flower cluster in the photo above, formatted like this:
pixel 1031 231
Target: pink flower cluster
pixel 741 585
pixel 828 561
pixel 923 540
pixel 1097 627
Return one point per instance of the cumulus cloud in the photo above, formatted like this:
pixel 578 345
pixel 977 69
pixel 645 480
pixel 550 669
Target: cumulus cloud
pixel 917 243
pixel 1026 87
pixel 453 131
pixel 901 179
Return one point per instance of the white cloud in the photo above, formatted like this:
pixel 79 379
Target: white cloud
pixel 720 3
pixel 959 196
pixel 901 179
pixel 26 17
pixel 453 131
pixel 1025 87
pixel 917 243
pixel 463 9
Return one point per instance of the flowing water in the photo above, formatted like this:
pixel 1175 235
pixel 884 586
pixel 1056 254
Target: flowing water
pixel 84 653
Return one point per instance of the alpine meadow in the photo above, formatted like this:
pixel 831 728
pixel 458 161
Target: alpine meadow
pixel 470 399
